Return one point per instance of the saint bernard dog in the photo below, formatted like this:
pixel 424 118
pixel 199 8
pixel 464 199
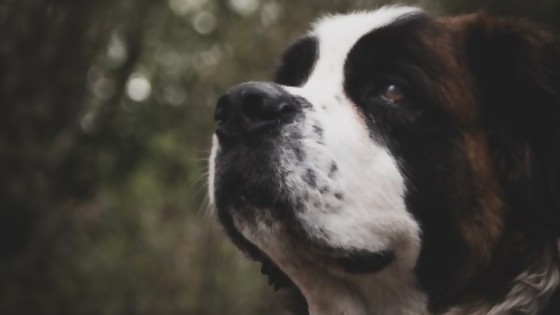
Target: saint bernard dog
pixel 400 164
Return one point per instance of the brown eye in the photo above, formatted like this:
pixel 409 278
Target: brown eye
pixel 393 93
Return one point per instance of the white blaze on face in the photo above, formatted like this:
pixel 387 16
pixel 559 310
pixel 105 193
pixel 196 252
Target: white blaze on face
pixel 361 206
pixel 337 35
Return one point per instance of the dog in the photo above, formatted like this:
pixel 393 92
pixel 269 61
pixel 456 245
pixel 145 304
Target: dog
pixel 400 163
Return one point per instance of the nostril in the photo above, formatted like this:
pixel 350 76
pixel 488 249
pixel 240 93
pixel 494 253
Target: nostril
pixel 257 108
pixel 261 108
pixel 222 112
pixel 253 107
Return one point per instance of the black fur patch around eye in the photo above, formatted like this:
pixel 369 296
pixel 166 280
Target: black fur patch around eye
pixel 422 136
pixel 297 62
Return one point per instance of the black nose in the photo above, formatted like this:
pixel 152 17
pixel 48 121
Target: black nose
pixel 251 107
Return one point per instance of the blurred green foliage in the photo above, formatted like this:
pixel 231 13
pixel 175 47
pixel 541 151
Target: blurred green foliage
pixel 106 119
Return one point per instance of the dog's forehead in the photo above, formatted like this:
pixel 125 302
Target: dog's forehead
pixel 336 35
pixel 339 33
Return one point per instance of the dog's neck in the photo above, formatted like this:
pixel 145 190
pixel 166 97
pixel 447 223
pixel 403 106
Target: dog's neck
pixel 534 292
pixel 343 299
pixel 389 292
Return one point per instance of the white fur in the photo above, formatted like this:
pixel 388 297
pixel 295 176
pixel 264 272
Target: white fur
pixel 372 215
pixel 212 171
pixel 331 292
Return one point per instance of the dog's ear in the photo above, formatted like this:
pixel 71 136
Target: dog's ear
pixel 515 65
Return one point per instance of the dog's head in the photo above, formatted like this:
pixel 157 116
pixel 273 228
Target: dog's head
pixel 399 163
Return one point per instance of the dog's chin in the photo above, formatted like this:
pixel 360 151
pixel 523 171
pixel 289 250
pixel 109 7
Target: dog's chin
pixel 275 230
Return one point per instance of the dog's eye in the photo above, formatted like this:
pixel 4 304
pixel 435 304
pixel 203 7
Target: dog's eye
pixel 393 93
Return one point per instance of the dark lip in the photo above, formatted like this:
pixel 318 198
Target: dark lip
pixel 365 262
pixel 350 260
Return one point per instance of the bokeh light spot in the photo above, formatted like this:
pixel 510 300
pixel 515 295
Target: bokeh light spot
pixel 88 122
pixel 117 52
pixel 245 7
pixel 270 13
pixel 103 88
pixel 138 87
pixel 174 95
pixel 205 23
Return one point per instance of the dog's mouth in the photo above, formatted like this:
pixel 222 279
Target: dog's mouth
pixel 348 260
pixel 354 263
pixel 364 262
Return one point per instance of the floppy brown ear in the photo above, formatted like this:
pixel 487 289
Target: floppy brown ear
pixel 516 68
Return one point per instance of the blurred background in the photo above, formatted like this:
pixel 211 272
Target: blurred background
pixel 105 123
